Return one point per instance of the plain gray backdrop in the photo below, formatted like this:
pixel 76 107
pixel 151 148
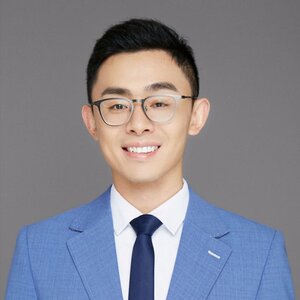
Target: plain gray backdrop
pixel 245 160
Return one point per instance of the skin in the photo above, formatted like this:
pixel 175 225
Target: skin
pixel 145 180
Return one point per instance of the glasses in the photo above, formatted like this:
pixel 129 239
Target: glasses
pixel 158 108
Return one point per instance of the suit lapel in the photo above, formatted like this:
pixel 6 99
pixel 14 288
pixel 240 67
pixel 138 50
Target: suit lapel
pixel 201 254
pixel 200 259
pixel 93 250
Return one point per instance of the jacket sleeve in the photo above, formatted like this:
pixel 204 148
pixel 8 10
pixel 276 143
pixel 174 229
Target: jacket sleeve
pixel 276 281
pixel 20 283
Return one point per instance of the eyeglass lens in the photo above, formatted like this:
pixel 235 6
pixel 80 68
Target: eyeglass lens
pixel 157 108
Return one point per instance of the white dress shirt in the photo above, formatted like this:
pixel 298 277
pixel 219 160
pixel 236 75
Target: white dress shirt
pixel 165 239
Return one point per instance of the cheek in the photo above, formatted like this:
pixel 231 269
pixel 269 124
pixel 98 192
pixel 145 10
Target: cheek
pixel 181 137
pixel 177 136
pixel 180 127
pixel 107 143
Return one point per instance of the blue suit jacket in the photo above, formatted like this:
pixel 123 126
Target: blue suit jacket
pixel 220 256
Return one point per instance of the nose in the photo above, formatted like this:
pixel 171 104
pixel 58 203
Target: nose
pixel 139 123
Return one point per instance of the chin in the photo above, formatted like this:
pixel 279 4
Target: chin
pixel 141 178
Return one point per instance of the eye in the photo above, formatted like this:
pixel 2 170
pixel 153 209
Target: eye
pixel 118 107
pixel 115 105
pixel 159 105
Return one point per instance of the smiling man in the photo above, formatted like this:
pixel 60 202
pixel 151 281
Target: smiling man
pixel 148 236
pixel 143 142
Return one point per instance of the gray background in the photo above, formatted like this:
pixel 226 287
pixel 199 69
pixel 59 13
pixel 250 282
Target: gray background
pixel 247 157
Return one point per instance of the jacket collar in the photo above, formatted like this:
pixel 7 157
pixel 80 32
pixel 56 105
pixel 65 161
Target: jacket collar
pixel 201 255
pixel 205 216
pixel 202 214
pixel 93 213
pixel 93 249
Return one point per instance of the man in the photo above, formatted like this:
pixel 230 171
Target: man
pixel 149 236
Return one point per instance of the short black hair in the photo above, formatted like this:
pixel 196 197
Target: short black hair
pixel 142 34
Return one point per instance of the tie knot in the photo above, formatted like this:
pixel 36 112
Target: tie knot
pixel 145 224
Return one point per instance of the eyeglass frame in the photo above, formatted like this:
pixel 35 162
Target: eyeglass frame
pixel 142 101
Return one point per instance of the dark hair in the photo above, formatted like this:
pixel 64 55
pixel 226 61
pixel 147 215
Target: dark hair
pixel 142 34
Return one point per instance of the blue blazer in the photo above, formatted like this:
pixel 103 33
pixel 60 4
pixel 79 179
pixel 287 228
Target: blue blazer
pixel 221 256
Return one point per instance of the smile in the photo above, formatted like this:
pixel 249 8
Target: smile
pixel 147 149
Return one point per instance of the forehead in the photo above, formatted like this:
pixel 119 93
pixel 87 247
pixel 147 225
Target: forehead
pixel 134 71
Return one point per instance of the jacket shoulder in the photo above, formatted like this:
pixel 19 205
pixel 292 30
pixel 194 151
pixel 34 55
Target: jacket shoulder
pixel 213 215
pixel 57 226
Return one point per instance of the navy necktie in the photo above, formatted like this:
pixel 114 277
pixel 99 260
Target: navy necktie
pixel 141 285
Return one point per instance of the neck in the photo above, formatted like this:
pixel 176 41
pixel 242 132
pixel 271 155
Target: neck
pixel 146 196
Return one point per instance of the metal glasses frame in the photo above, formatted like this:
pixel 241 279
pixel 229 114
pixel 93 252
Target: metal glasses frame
pixel 142 101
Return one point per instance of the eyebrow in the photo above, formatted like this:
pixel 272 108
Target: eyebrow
pixel 116 90
pixel 149 88
pixel 164 85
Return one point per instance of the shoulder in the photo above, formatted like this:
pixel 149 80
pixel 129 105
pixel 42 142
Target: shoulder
pixel 242 224
pixel 240 228
pixel 262 249
pixel 253 234
pixel 257 251
pixel 57 227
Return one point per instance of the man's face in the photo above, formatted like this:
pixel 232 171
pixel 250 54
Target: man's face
pixel 133 75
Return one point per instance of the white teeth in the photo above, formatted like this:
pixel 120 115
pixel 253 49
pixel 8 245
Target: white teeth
pixel 142 149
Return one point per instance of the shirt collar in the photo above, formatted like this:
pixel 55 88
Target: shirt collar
pixel 171 213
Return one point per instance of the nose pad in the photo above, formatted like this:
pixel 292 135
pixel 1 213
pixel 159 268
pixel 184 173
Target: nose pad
pixel 139 121
pixel 138 110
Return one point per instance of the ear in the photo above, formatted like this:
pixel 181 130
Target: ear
pixel 199 116
pixel 89 121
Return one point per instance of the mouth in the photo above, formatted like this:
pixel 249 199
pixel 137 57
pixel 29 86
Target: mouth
pixel 141 150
